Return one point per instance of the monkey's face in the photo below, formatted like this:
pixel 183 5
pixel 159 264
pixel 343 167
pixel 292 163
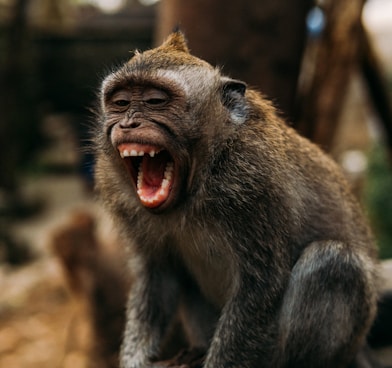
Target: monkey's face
pixel 164 111
pixel 144 122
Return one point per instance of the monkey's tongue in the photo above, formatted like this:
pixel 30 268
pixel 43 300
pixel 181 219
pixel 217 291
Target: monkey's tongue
pixel 154 179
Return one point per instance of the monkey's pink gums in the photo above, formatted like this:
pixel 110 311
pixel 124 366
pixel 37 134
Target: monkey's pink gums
pixel 151 170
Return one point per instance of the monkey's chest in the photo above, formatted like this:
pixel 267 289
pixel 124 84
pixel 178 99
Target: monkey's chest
pixel 214 276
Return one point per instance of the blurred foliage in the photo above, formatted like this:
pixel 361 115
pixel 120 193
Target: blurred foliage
pixel 378 198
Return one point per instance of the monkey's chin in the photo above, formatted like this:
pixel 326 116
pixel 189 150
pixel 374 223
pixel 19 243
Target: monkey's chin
pixel 152 170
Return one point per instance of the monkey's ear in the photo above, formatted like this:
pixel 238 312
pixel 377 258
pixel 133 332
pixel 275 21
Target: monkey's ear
pixel 233 86
pixel 176 42
pixel 233 97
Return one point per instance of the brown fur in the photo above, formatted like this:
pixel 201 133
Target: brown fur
pixel 261 244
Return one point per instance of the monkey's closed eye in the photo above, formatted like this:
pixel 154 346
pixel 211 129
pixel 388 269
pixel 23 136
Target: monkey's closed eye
pixel 155 101
pixel 121 103
pixel 155 97
pixel 120 100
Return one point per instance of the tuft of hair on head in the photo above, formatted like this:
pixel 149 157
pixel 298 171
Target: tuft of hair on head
pixel 176 41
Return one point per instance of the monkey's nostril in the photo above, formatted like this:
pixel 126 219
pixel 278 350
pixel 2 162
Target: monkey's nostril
pixel 134 124
pixel 130 125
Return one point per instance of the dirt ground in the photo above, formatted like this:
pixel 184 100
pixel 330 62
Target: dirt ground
pixel 42 324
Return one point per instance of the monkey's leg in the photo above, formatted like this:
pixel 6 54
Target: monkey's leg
pixel 152 303
pixel 327 308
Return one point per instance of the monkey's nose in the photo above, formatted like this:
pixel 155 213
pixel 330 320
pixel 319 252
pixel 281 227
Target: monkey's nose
pixel 130 124
pixel 130 120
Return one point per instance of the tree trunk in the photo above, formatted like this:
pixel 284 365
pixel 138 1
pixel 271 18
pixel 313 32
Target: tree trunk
pixel 338 54
pixel 260 42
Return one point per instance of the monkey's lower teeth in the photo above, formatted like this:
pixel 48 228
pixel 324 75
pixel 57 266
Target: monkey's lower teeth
pixel 153 195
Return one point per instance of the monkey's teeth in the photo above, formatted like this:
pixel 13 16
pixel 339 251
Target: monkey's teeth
pixel 165 182
pixel 152 185
pixel 159 194
pixel 126 153
pixel 134 153
pixel 169 172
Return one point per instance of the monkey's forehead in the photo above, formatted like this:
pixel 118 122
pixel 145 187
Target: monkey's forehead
pixel 190 79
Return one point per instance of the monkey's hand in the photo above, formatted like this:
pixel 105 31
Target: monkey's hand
pixel 187 358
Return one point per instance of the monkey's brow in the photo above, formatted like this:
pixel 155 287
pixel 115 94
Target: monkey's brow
pixel 114 83
pixel 110 91
pixel 127 82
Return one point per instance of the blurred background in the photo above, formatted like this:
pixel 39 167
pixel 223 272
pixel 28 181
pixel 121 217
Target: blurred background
pixel 327 66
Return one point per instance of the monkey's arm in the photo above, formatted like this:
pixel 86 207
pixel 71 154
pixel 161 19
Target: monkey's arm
pixel 324 315
pixel 152 303
pixel 327 307
pixel 246 331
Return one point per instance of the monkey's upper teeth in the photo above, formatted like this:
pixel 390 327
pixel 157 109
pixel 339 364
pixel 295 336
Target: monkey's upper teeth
pixel 134 153
pixel 131 153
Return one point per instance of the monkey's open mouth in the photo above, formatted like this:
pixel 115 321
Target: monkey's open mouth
pixel 152 171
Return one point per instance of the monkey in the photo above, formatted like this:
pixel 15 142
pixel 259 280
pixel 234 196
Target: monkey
pixel 234 222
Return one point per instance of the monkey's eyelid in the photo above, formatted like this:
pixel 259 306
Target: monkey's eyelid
pixel 156 101
pixel 121 103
